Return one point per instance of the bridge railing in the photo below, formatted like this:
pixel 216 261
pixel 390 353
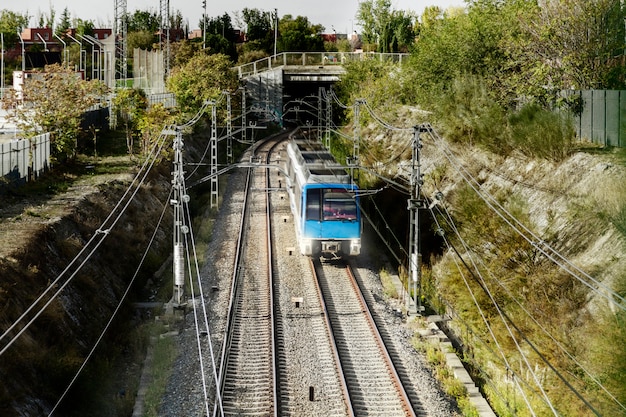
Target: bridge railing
pixel 314 58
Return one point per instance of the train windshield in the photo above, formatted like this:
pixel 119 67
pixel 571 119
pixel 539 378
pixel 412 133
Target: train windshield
pixel 338 204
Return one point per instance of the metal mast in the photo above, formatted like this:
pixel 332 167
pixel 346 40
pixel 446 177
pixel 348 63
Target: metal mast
pixel 415 203
pixel 165 29
pixel 179 198
pixel 121 41
pixel 229 129
pixel 213 146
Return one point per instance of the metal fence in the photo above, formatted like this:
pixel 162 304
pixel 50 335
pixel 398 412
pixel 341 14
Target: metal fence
pixel 24 159
pixel 314 58
pixel 603 117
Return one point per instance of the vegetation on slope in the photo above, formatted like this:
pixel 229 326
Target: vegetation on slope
pixel 539 337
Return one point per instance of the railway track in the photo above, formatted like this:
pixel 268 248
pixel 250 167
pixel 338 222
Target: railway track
pixel 373 383
pixel 249 382
pixel 299 337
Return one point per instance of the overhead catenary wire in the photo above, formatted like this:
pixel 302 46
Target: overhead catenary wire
pixel 204 314
pixel 525 232
pixel 98 238
pixel 506 319
pixel 117 309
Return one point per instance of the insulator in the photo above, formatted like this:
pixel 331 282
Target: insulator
pixel 179 266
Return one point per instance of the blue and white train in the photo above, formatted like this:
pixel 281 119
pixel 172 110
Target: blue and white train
pixel 324 202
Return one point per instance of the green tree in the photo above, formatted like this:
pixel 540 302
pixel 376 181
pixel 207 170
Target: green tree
pixel 142 39
pixel 64 24
pixel 143 20
pixel 129 106
pixel 299 34
pixel 572 44
pixel 57 99
pixel 202 78
pixel 259 28
pixel 391 30
pixel 150 125
pixel 11 24
pixel 220 36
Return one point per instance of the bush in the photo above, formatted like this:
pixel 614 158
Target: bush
pixel 467 113
pixel 542 133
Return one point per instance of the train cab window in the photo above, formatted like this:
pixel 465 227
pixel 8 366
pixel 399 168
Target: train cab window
pixel 313 198
pixel 339 205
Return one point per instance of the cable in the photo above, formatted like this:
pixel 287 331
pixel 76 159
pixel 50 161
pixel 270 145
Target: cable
pixel 119 305
pixel 204 313
pixel 102 234
pixel 535 241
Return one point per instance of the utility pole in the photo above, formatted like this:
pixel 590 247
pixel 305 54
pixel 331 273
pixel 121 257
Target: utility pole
pixel 229 129
pixel 415 203
pixel 320 104
pixel 275 29
pixel 243 114
pixel 179 197
pixel 357 138
pixel 204 25
pixel 329 118
pixel 213 147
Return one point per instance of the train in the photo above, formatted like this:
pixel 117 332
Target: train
pixel 324 201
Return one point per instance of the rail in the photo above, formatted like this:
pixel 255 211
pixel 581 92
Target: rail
pixel 314 58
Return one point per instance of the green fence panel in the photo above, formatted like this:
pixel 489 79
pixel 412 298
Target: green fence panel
pixel 598 116
pixel 612 118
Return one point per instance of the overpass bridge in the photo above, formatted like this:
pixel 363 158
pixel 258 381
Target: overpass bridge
pixel 276 84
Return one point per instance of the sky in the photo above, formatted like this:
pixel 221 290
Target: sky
pixel 337 14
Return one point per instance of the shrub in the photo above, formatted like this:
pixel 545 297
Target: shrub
pixel 541 133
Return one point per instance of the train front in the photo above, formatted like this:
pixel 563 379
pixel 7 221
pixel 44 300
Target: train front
pixel 332 221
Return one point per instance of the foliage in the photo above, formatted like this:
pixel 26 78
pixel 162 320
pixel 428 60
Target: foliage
pixel 220 36
pixel 65 24
pixel 251 55
pixel 391 30
pixel 11 24
pixel 151 124
pixel 571 44
pixel 469 113
pixel 541 133
pixel 130 106
pixel 202 78
pixel 298 34
pixel 54 101
pixel 143 20
pixel 181 52
pixel 259 28
pixel 142 39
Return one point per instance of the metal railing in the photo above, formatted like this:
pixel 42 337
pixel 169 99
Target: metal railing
pixel 314 58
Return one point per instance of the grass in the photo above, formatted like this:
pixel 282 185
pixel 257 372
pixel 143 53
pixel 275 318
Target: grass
pixel 389 288
pixel 164 351
pixel 451 385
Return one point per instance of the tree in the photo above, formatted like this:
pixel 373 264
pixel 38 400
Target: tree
pixel 143 20
pixel 391 30
pixel 54 101
pixel 220 36
pixel 202 78
pixel 129 106
pixel 299 34
pixel 259 28
pixel 64 24
pixel 151 124
pixel 142 39
pixel 572 44
pixel 11 24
